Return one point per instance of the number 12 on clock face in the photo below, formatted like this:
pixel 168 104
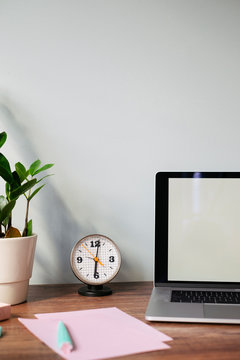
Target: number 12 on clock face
pixel 95 259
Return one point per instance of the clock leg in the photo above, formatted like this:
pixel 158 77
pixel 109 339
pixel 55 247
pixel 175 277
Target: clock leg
pixel 94 290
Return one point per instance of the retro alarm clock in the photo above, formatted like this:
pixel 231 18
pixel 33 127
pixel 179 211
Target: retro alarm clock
pixel 95 260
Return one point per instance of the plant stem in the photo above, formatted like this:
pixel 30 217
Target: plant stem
pixel 26 219
pixel 10 215
pixel 9 221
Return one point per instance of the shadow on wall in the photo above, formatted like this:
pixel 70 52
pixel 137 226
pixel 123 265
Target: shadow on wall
pixel 62 230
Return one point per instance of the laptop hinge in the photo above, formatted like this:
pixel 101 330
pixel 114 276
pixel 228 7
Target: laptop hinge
pixel 199 285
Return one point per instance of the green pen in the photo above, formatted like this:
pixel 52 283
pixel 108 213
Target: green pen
pixel 64 340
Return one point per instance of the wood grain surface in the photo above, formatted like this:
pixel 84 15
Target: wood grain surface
pixel 190 341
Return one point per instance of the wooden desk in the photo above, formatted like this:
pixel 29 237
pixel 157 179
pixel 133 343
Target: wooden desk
pixel 190 341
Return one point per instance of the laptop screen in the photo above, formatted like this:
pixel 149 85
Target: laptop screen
pixel 199 217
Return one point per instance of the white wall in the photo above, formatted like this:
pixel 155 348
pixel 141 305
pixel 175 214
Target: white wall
pixel 112 92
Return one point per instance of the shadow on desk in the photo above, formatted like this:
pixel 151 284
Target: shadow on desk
pixel 48 291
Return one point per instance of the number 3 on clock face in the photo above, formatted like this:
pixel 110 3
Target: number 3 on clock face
pixel 95 259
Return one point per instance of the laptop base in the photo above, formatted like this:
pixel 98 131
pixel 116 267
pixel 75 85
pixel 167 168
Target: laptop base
pixel 160 308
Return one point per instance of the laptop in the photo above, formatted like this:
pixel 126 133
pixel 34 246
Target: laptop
pixel 197 248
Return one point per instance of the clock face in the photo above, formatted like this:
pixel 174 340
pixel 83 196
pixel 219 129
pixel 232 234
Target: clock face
pixel 95 259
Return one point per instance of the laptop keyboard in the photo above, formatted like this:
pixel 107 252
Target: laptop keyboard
pixel 217 297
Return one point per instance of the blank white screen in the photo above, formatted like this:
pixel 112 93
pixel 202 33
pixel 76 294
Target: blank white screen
pixel 204 230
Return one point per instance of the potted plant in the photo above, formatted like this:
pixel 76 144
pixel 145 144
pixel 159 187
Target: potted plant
pixel 17 248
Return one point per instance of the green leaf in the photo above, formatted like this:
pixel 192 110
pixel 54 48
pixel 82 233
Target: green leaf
pixel 3 138
pixel 3 202
pixel 6 211
pixel 5 170
pixel 7 187
pixel 4 163
pixel 29 228
pixel 6 221
pixel 44 177
pixel 22 172
pixel 35 192
pixel 22 189
pixel 5 174
pixel 45 167
pixel 16 180
pixel 35 165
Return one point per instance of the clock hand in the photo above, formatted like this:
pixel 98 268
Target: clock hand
pixel 96 257
pixel 96 275
pixel 92 255
pixel 90 258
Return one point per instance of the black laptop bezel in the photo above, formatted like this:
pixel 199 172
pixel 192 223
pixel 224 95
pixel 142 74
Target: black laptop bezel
pixel 161 229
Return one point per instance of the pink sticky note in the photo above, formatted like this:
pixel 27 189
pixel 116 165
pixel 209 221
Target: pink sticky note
pixel 98 333
pixel 5 311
